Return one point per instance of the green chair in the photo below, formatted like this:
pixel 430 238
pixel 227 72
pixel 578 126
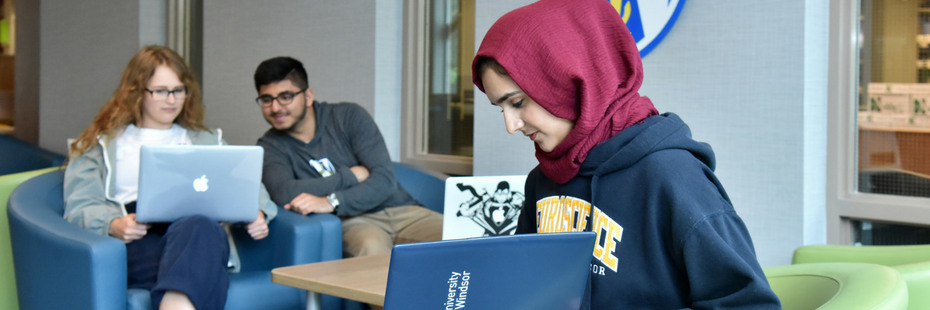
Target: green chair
pixel 912 261
pixel 8 299
pixel 835 286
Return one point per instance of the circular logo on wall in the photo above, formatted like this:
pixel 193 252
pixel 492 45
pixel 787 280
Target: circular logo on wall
pixel 648 20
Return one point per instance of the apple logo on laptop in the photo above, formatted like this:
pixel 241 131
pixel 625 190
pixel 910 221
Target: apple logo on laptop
pixel 200 184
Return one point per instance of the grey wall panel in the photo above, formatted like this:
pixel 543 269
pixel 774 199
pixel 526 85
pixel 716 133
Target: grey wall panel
pixel 152 22
pixel 335 40
pixel 85 46
pixel 26 90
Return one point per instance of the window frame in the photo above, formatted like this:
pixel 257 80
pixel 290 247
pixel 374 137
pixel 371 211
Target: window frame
pixel 844 202
pixel 413 95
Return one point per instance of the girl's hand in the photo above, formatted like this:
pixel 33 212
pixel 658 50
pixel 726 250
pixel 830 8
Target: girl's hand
pixel 127 229
pixel 258 229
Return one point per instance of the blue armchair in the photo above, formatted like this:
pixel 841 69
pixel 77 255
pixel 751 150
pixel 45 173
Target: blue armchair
pixel 18 156
pixel 425 185
pixel 61 266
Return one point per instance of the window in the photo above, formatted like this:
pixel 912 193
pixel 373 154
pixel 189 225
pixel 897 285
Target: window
pixel 879 123
pixel 7 62
pixel 438 96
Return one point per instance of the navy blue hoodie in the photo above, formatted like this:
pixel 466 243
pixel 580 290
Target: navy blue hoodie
pixel 668 237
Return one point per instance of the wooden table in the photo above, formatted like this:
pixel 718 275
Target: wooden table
pixel 359 278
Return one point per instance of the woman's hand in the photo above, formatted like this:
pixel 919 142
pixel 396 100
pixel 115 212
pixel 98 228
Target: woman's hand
pixel 127 229
pixel 258 229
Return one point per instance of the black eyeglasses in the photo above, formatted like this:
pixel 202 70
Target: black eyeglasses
pixel 163 93
pixel 283 98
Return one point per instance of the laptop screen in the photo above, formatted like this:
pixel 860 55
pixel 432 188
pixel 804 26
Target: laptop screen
pixel 220 182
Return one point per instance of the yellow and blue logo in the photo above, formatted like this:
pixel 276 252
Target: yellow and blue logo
pixel 648 20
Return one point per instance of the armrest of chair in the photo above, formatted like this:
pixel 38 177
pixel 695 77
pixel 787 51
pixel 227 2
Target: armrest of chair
pixel 917 277
pixel 292 239
pixel 830 286
pixel 881 255
pixel 59 265
pixel 8 183
pixel 331 245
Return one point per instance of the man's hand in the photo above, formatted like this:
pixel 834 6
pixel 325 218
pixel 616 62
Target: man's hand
pixel 361 173
pixel 258 228
pixel 127 229
pixel 306 204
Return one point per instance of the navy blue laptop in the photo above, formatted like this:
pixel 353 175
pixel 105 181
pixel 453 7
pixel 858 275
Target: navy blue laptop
pixel 531 271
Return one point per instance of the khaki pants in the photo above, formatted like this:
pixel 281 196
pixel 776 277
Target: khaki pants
pixel 376 233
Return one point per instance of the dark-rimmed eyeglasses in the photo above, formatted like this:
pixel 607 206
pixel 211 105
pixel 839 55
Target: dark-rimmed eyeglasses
pixel 284 98
pixel 163 93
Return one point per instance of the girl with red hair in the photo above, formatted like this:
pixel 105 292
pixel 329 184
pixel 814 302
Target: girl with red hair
pixel 183 263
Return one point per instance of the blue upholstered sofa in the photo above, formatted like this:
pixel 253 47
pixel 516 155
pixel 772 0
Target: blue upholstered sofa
pixel 18 156
pixel 61 266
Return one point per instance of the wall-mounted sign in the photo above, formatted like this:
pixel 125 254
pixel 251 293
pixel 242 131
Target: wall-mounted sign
pixel 648 20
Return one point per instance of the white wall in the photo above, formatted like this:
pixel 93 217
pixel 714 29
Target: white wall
pixel 335 40
pixel 388 54
pixel 748 78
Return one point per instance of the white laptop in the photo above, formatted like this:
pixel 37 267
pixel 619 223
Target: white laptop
pixel 482 206
pixel 220 182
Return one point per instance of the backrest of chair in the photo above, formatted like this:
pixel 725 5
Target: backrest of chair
pixel 425 185
pixel 888 255
pixel 19 156
pixel 43 190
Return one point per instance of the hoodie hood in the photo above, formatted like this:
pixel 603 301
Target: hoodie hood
pixel 656 133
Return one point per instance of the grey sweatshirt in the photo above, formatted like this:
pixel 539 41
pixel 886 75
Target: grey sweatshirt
pixel 347 136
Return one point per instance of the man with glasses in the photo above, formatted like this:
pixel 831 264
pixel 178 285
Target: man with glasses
pixel 331 158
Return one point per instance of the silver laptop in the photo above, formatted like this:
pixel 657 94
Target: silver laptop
pixel 220 182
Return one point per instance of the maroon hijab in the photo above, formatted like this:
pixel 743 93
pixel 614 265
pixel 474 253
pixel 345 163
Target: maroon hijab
pixel 577 60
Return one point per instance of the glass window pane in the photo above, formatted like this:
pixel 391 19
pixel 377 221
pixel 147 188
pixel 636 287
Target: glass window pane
pixel 450 97
pixel 894 123
pixel 867 232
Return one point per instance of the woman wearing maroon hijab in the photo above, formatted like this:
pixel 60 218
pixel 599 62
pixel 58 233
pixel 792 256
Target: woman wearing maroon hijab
pixel 566 73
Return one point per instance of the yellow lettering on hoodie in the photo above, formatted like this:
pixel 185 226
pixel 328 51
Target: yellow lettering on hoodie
pixel 561 214
pixel 571 214
pixel 608 235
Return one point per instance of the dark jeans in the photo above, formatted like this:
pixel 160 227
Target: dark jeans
pixel 188 255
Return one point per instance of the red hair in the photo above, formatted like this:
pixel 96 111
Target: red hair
pixel 125 106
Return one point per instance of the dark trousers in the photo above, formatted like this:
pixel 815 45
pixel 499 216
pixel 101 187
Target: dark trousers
pixel 188 255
